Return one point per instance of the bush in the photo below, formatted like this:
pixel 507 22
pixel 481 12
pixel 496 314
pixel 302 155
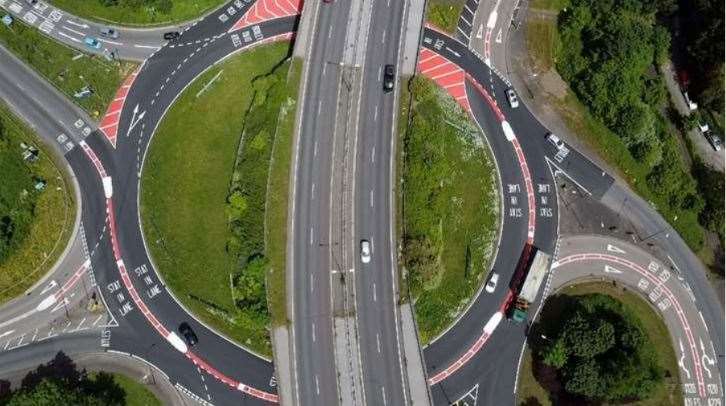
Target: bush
pixel 608 52
pixel 17 197
pixel 601 353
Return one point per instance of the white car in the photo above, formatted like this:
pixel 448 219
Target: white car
pixel 555 140
pixel 365 251
pixel 492 283
pixel 512 97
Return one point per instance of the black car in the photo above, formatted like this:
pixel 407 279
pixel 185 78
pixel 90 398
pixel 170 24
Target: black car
pixel 186 331
pixel 171 35
pixel 389 77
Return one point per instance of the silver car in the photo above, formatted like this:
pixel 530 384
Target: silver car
pixel 492 283
pixel 365 251
pixel 555 140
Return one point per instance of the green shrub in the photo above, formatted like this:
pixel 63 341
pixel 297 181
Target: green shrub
pixel 601 351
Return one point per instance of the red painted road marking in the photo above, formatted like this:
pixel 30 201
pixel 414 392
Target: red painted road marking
pixel 265 10
pixel 140 303
pixel 73 280
pixel 109 122
pixel 655 280
pixel 446 74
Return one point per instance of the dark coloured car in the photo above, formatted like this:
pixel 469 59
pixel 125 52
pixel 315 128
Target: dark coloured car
pixel 389 77
pixel 171 35
pixel 189 336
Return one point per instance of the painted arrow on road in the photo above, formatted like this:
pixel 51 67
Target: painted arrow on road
pixel 135 120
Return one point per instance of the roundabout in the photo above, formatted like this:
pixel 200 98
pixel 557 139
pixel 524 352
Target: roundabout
pixel 478 354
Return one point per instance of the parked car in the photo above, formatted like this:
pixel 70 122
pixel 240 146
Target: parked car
pixel 92 42
pixel 189 336
pixel 512 97
pixel 492 282
pixel 389 77
pixel 555 140
pixel 715 141
pixel 109 32
pixel 171 35
pixel 365 251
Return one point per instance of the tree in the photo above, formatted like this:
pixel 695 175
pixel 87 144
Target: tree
pixel 555 355
pixel 583 378
pixel 250 286
pixel 600 351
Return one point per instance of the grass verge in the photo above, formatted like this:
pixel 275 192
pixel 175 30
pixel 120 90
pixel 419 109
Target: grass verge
pixel 53 214
pixel 154 12
pixel 67 69
pixel 444 14
pixel 668 394
pixel 277 200
pixel 203 197
pixel 450 208
pixel 136 393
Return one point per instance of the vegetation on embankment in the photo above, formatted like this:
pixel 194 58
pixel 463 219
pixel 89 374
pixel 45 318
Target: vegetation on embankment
pixel 450 208
pixel 35 225
pixel 205 186
pixel 67 69
pixel 138 12
pixel 444 14
pixel 608 53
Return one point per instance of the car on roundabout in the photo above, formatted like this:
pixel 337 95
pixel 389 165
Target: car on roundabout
pixel 492 283
pixel 189 335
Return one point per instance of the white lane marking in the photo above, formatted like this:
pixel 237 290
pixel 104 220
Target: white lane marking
pixel 375 114
pixel 373 154
pixel 383 38
pixel 73 31
pixel 317 385
pixel 98 319
pixel 374 292
pixel 378 342
pixel 7 333
pixel 610 269
pixel 312 191
pixel 312 283
pixel 681 360
pixel 320 107
pixel 76 24
pixel 69 37
pixel 383 395
pixel 110 42
pixel 311 236
pixel 314 332
pixel 380 72
pixel 149 47
pixel 48 287
pixel 330 31
pixel 371 197
pixel 315 149
pixel 613 248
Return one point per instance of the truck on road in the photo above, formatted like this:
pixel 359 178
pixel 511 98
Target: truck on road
pixel 528 293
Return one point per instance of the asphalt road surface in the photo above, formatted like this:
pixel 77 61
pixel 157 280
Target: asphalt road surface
pixel 314 371
pixel 137 298
pixel 462 362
